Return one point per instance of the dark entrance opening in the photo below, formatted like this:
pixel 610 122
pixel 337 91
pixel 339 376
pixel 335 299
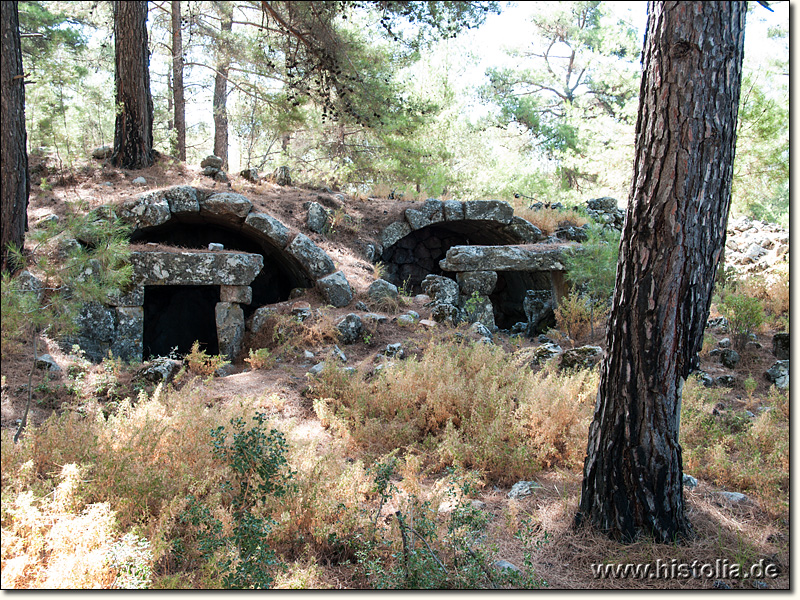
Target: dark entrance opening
pixel 417 255
pixel 509 295
pixel 177 315
pixel 273 284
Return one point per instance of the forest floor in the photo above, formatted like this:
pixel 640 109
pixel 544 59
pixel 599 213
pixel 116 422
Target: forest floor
pixel 740 532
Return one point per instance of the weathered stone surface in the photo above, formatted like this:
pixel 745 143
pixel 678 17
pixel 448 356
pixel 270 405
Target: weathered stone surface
pixel 241 294
pixel 394 232
pixel 780 346
pixel 729 358
pixel 488 210
pixel 380 289
pixel 28 282
pixel 97 327
pixel 260 317
pixel 481 282
pixel 442 312
pixel 182 199
pixel 311 256
pixel 250 175
pixel 479 309
pixel 430 212
pixel 146 210
pixel 102 152
pixel 139 181
pixel 335 289
pixel 270 227
pixel 689 481
pixel 572 233
pixel 545 352
pixel 604 204
pixel 318 217
pixel 45 362
pixel 584 357
pixel 504 564
pixel 441 289
pixel 227 203
pixel 159 369
pixel 523 488
pixel 453 210
pixel 406 321
pixel 196 268
pixel 128 341
pixel 282 176
pixel 230 328
pixel 525 232
pixel 215 247
pixel 539 307
pixel 132 297
pixel 502 258
pixel 779 374
pixel 212 161
pixel 350 328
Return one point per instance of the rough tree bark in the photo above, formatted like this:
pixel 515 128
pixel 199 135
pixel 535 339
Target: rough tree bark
pixel 671 245
pixel 221 89
pixel 13 138
pixel 133 129
pixel 179 104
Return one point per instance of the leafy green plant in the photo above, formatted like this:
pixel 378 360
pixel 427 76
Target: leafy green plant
pixel 745 315
pixel 131 558
pixel 260 359
pixel 257 460
pixel 202 363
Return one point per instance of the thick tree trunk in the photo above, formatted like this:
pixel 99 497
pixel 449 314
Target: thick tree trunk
pixel 13 139
pixel 133 130
pixel 671 245
pixel 179 103
pixel 221 91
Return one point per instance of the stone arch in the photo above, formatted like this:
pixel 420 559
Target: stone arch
pixel 185 286
pixel 412 248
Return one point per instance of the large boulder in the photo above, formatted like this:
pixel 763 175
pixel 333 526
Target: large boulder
pixel 270 227
pixel 480 282
pixel 230 328
pixel 780 346
pixel 539 307
pixel 215 162
pixel 182 199
pixel 524 231
pixel 429 213
pixel 318 217
pixel 442 289
pixel 282 176
pixel 350 328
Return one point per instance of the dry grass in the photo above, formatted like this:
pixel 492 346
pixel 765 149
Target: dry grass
pixel 467 404
pixel 286 335
pixel 550 219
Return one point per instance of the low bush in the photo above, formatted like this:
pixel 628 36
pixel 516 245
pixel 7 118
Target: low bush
pixel 745 316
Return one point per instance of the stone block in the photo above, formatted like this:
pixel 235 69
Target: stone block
pixel 488 210
pixel 146 210
pixel 394 232
pixel 128 342
pixel 482 282
pixel 270 227
pixel 429 213
pixel 196 268
pixel 182 199
pixel 227 203
pixel 453 210
pixel 230 328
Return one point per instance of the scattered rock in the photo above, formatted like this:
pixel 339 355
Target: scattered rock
pixel 301 310
pixel 544 353
pixel 337 352
pixel 504 564
pixel 103 152
pixel 361 306
pixel 282 176
pixel 481 330
pixel 139 181
pixel 316 369
pixel 335 289
pixel 779 374
pixel 729 358
pixel 718 322
pixel 406 320
pixel 728 381
pixel 689 481
pixel 380 289
pixel 215 247
pixel 250 175
pixel 720 585
pixel 724 343
pixel 732 497
pixel 46 362
pixel 584 357
pixel 442 289
pixel 350 328
pixel 160 369
pixel 523 488
pixel 308 354
pixel 394 351
pixel 215 162
pixel 318 217
pixel 375 318
pixel 28 282
pixel 260 317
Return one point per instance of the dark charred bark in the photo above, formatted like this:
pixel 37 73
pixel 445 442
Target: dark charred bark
pixel 13 142
pixel 133 129
pixel 671 246
pixel 221 90
pixel 179 104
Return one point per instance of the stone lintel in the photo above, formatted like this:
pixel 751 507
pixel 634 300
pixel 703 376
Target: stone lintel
pixel 503 258
pixel 196 268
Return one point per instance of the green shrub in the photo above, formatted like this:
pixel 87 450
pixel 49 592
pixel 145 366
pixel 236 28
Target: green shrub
pixel 745 316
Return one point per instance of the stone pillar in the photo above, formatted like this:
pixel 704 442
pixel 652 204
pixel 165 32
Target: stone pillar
pixel 230 328
pixel 128 342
